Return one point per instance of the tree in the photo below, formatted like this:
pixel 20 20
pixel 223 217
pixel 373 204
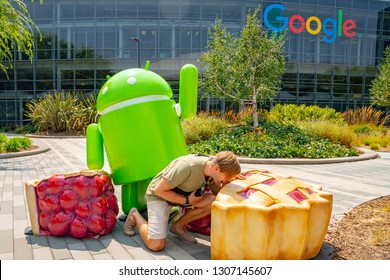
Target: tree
pixel 16 31
pixel 247 69
pixel 380 90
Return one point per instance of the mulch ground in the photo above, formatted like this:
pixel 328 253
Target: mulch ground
pixel 363 233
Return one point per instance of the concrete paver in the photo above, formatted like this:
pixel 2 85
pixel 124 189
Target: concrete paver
pixel 351 184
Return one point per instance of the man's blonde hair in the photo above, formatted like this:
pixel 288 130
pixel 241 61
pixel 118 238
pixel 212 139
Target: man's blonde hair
pixel 228 163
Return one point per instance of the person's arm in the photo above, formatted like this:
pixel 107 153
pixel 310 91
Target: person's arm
pixel 164 191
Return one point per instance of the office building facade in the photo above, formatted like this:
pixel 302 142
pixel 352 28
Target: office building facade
pixel 332 49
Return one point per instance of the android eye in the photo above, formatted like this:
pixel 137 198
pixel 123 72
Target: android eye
pixel 131 80
pixel 104 91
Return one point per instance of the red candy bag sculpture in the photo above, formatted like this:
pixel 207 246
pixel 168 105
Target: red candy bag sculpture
pixel 79 205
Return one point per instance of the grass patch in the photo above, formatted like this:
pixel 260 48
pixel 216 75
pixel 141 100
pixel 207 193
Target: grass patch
pixel 14 144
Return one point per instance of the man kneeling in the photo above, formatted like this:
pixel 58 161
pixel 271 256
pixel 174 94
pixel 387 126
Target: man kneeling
pixel 176 186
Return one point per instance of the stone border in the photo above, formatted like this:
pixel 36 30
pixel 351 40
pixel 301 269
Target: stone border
pixel 366 155
pixel 55 136
pixel 40 150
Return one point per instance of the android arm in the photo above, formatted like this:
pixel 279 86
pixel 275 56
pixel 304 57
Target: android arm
pixel 95 155
pixel 188 91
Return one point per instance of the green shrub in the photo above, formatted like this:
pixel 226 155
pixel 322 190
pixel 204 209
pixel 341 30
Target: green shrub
pixel 336 133
pixel 62 112
pixel 369 129
pixel 3 140
pixel 13 144
pixel 24 129
pixel 202 127
pixel 373 141
pixel 371 135
pixel 272 140
pixel 291 113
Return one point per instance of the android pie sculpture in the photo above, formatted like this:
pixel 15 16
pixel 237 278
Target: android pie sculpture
pixel 269 216
pixel 80 204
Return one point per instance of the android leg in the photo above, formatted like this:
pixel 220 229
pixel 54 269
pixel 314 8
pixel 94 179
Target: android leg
pixel 133 195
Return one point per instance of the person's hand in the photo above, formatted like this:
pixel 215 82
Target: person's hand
pixel 240 177
pixel 192 199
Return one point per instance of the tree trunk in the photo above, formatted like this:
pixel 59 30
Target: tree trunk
pixel 254 111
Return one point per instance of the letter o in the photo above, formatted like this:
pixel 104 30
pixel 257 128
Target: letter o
pixel 308 27
pixel 291 24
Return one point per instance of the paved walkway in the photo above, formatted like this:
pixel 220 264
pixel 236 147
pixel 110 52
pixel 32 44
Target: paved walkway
pixel 351 183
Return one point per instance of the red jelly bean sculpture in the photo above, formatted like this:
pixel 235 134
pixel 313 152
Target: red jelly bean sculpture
pixel 79 205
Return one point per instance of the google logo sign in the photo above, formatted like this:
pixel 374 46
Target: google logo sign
pixel 331 27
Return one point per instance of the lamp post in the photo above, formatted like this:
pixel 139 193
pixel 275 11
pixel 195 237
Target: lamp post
pixel 138 50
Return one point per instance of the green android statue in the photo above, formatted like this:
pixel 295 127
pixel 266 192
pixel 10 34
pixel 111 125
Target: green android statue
pixel 140 128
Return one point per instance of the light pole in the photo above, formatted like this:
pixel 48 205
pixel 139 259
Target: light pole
pixel 138 50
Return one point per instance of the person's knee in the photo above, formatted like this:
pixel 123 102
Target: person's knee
pixel 156 244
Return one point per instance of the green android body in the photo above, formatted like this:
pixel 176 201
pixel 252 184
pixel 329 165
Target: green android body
pixel 140 128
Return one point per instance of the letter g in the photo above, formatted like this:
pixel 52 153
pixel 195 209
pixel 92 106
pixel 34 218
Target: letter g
pixel 284 20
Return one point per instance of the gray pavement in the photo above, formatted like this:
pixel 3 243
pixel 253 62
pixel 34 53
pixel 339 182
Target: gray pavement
pixel 351 184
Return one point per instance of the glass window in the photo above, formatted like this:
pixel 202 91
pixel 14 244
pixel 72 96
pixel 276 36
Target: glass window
pixel 232 11
pixel 25 85
pixel 326 2
pixel 85 11
pixel 84 74
pixel 195 39
pixel 85 42
pixel 127 9
pixel 190 9
pixel 360 4
pixel 148 9
pixel 165 42
pixel 105 9
pixel 185 40
pixel 376 5
pixel 24 72
pixel 66 11
pixel 44 71
pixel 211 9
pixel 106 42
pixel 84 85
pixel 169 9
pixel 64 46
pixel 346 4
pixel 129 46
pixel 44 85
pixel 67 74
pixel 44 46
pixel 353 57
pixel 340 46
pixel 148 39
pixel 44 12
pixel 372 20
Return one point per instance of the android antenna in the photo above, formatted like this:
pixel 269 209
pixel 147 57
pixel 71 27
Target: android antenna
pixel 147 65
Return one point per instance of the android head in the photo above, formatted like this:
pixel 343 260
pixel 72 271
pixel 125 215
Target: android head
pixel 130 87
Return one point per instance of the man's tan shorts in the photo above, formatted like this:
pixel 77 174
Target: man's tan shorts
pixel 158 216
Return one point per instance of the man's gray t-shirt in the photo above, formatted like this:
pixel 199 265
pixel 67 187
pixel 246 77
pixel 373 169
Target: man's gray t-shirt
pixel 185 173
